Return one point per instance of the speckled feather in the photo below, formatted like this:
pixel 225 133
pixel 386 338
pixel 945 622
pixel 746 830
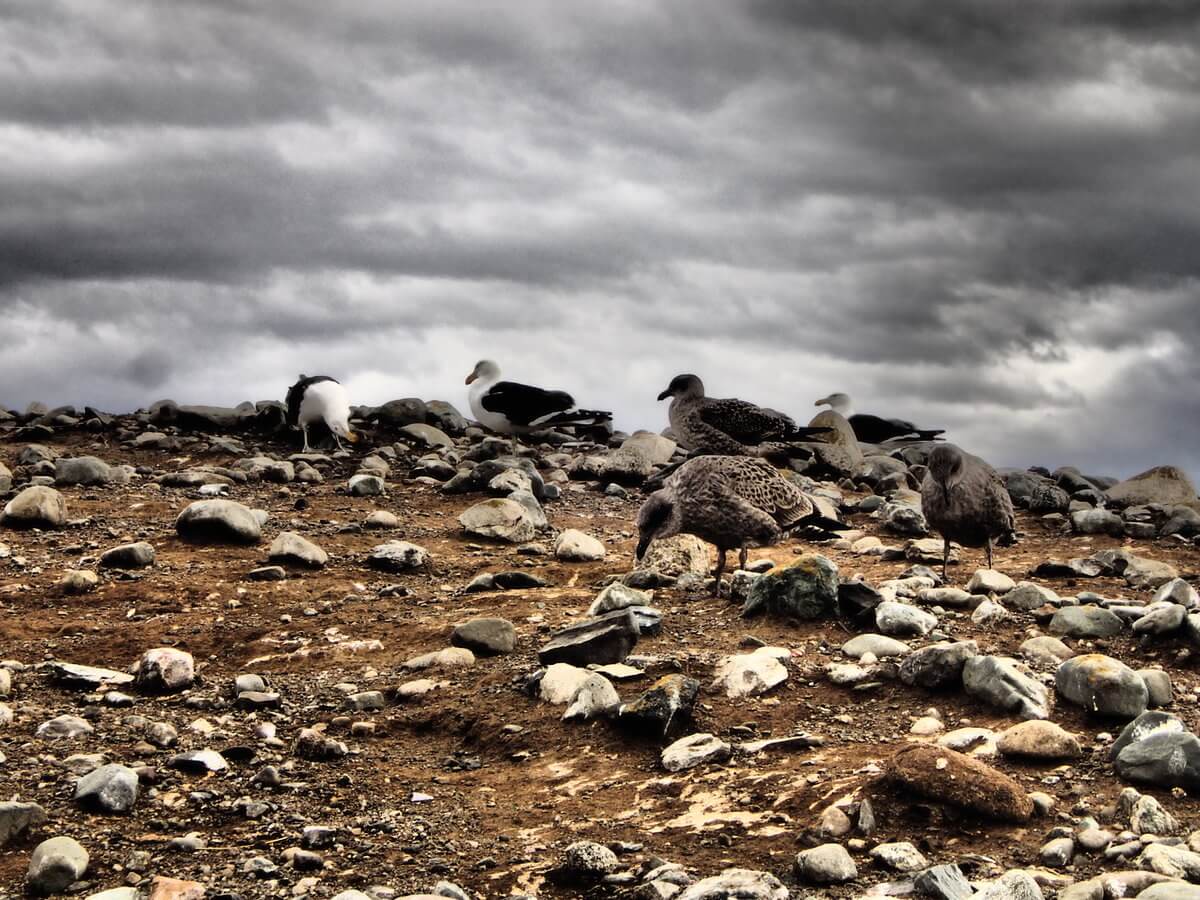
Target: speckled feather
pixel 735 501
pixel 731 427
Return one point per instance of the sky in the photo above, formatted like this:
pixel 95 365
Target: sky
pixel 960 215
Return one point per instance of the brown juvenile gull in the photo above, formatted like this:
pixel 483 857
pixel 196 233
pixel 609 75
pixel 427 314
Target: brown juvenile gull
pixel 733 502
pixel 966 501
pixel 730 427
pixel 876 429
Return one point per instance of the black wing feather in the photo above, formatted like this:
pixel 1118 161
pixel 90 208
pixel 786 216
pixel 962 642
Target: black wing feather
pixel 295 395
pixel 522 404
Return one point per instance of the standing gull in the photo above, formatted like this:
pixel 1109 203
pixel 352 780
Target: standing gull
pixel 316 399
pixel 875 429
pixel 508 407
pixel 707 425
pixel 733 502
pixel 966 501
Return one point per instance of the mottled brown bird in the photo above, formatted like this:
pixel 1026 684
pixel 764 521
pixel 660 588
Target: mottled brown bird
pixel 708 425
pixel 965 500
pixel 733 502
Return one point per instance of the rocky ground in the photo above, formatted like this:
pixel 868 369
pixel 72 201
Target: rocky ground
pixel 231 670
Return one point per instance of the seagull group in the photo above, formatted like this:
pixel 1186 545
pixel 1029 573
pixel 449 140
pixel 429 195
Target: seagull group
pixel 726 491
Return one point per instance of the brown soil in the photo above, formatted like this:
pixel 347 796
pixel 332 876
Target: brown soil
pixel 495 829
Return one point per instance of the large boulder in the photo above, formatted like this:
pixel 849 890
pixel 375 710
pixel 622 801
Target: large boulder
pixel 85 470
pixel 950 777
pixel 219 521
pixel 1102 685
pixel 36 507
pixel 1164 485
pixel 1007 685
pixel 806 589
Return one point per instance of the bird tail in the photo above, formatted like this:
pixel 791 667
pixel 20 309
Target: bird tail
pixel 574 417
pixel 816 520
pixel 929 434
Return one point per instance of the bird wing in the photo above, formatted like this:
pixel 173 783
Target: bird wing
pixel 761 485
pixel 523 404
pixel 745 422
pixel 295 395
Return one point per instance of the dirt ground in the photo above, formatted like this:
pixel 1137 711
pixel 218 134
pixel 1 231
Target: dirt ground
pixel 508 783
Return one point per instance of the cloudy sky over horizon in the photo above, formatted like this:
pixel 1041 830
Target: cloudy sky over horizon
pixel 978 220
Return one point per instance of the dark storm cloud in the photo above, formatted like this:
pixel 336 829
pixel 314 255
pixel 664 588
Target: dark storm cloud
pixel 963 214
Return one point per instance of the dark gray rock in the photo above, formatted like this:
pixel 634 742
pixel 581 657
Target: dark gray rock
pixel 486 636
pixel 1085 622
pixel 128 556
pixel 938 666
pixel 601 640
pixel 1164 759
pixel 943 883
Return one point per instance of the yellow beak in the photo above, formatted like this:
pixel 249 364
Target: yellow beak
pixel 352 437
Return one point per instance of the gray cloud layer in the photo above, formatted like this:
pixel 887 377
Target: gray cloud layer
pixel 968 217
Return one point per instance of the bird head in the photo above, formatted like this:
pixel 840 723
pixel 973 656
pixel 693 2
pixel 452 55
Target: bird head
pixel 655 520
pixel 945 464
pixel 838 402
pixel 486 369
pixel 683 386
pixel 342 429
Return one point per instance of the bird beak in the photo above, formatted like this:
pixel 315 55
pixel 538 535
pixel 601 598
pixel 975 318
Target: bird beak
pixel 471 378
pixel 665 394
pixel 642 547
pixel 352 436
pixel 821 402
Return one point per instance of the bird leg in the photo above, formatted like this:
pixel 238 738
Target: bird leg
pixel 337 440
pixel 945 556
pixel 717 574
pixel 304 429
pixel 514 446
pixel 988 550
pixel 743 555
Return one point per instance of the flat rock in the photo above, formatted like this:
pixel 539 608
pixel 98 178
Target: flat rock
pixel 880 645
pixel 899 857
pixel 84 470
pixel 1046 651
pixel 499 518
pixel 694 750
pixel 949 777
pixel 736 884
pixel 749 674
pixel 398 556
pixel 1038 740
pixel 989 581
